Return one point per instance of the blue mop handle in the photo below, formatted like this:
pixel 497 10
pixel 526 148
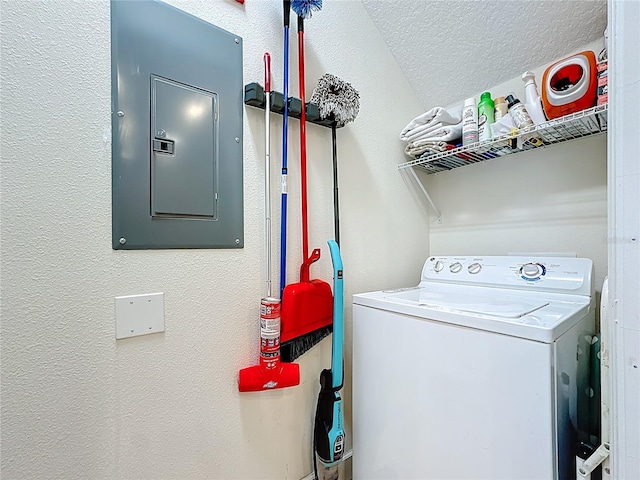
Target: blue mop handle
pixel 337 345
pixel 285 130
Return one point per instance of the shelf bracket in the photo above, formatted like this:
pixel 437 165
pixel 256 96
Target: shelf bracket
pixel 426 194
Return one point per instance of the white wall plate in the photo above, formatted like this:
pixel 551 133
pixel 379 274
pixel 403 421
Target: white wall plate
pixel 139 315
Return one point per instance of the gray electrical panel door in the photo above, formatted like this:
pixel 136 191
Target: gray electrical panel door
pixel 183 175
pixel 177 130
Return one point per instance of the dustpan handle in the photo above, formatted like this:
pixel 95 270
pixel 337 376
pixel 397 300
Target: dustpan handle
pixel 306 264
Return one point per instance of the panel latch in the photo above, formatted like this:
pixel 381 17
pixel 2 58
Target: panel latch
pixel 163 146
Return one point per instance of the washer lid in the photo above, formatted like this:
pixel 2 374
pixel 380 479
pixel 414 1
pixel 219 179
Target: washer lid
pixel 528 315
pixel 482 304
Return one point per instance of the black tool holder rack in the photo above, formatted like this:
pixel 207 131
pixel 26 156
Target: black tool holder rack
pixel 254 96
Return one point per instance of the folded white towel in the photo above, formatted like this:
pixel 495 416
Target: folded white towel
pixel 430 118
pixel 421 131
pixel 448 133
pixel 432 147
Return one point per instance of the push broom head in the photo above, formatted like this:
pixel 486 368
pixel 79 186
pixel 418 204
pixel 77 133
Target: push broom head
pixel 337 99
pixel 304 8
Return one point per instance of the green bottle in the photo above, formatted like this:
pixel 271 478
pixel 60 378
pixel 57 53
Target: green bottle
pixel 485 116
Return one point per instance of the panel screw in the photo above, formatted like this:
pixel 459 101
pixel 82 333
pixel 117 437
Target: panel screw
pixel 237 140
pixel 123 240
pixel 237 241
pixel 161 133
pixel 237 40
pixel 120 113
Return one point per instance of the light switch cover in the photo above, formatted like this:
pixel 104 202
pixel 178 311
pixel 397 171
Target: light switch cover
pixel 139 315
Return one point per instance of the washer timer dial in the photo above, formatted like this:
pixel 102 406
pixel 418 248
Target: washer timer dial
pixel 532 271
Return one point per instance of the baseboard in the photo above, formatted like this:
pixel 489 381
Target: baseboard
pixel 347 456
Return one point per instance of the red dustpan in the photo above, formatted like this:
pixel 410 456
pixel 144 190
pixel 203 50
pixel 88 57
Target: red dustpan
pixel 306 306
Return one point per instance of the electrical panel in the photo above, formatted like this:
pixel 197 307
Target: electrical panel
pixel 177 96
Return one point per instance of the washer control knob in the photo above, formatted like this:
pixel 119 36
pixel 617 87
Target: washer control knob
pixel 455 267
pixel 438 266
pixel 474 268
pixel 531 270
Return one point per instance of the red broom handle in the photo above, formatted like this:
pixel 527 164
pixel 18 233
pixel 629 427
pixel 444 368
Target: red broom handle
pixel 303 142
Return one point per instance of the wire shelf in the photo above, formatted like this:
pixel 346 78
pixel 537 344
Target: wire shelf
pixel 592 121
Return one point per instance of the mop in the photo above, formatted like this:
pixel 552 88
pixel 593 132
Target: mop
pixel 340 102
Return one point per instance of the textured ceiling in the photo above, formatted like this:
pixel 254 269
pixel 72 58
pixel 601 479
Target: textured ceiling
pixel 449 50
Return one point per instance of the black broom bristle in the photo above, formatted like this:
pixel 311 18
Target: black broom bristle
pixel 292 349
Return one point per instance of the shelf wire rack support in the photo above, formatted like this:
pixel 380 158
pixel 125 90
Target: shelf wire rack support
pixel 426 194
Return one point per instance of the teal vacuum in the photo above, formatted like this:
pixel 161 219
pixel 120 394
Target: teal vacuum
pixel 328 434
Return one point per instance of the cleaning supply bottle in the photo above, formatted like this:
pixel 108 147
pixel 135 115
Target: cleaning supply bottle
pixel 485 116
pixel 469 121
pixel 521 117
pixel 518 111
pixel 533 101
pixel 500 108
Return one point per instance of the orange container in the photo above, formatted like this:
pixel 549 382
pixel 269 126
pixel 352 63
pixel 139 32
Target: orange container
pixel 570 85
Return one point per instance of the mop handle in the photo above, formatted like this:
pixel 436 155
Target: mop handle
pixel 303 141
pixel 336 197
pixel 267 168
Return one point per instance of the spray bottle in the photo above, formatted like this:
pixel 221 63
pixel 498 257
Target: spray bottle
pixel 532 98
pixel 469 122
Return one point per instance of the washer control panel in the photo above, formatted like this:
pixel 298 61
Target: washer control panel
pixel 558 274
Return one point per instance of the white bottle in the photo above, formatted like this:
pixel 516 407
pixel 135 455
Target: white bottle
pixel 533 101
pixel 469 121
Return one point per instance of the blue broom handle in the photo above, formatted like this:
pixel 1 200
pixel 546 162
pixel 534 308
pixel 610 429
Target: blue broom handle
pixel 285 129
pixel 337 350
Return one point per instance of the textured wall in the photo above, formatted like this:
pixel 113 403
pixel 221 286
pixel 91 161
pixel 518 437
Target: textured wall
pixel 450 49
pixel 78 404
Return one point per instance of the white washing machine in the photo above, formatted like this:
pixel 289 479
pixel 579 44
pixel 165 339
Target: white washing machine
pixel 475 372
